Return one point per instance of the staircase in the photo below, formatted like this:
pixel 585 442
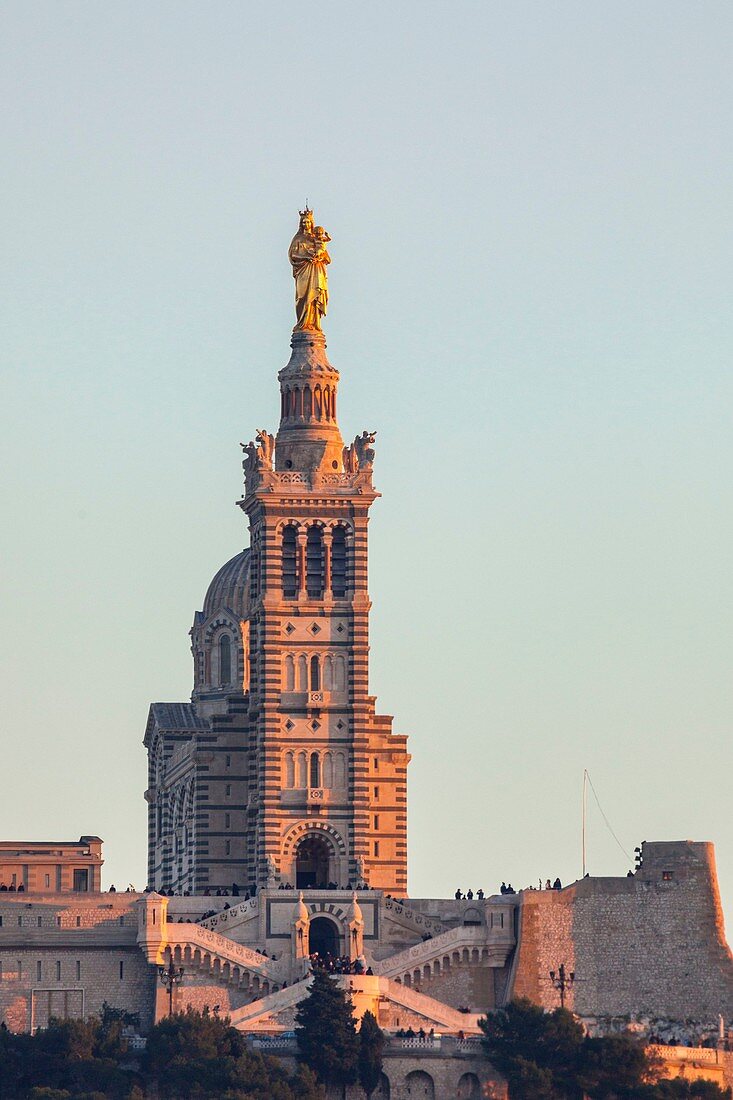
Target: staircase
pixel 439 953
pixel 366 992
pixel 409 918
pixel 226 920
pixel 215 955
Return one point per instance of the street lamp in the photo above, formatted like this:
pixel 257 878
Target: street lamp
pixel 170 976
pixel 562 980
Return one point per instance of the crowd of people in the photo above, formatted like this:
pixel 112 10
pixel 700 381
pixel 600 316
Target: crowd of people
pixel 340 964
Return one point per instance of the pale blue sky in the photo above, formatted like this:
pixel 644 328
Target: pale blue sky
pixel 530 301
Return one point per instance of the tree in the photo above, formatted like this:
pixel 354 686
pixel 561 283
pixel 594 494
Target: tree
pixel 547 1056
pixel 371 1046
pixel 537 1053
pixel 326 1032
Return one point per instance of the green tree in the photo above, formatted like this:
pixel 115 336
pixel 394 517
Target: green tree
pixel 326 1032
pixel 546 1056
pixel 371 1047
pixel 539 1054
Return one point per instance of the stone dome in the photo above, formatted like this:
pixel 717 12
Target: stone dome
pixel 229 588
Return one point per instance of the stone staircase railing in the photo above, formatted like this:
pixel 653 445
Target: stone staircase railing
pixel 225 960
pixel 226 919
pixel 271 1003
pixel 442 946
pixel 442 1014
pixel 404 914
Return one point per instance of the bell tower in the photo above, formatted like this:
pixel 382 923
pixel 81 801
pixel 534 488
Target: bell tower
pixel 328 779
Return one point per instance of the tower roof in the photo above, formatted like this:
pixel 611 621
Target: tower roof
pixel 229 588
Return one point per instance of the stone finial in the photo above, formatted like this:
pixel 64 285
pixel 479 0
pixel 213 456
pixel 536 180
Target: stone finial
pixel 354 912
pixel 300 912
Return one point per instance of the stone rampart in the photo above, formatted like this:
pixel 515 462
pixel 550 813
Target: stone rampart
pixel 651 945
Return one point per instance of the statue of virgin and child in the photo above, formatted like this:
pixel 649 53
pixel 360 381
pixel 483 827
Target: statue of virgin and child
pixel 309 257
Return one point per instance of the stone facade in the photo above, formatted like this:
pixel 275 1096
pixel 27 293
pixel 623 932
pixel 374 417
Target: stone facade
pixel 63 866
pixel 279 770
pixel 65 955
pixel 650 945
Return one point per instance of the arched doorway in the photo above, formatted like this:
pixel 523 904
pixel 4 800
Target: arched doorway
pixel 323 938
pixel 469 1087
pixel 383 1091
pixel 312 862
pixel 420 1084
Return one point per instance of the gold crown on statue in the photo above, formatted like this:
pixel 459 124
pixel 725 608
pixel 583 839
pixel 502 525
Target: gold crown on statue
pixel 306 211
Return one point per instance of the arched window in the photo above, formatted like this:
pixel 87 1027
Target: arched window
pixel 289 769
pixel 315 770
pixel 327 673
pixel 301 776
pixel 315 674
pixel 225 660
pixel 289 672
pixel 338 562
pixel 289 562
pixel 327 770
pixel 339 771
pixel 314 562
pixel 339 674
pixel 302 673
pixel 307 403
pixel 326 403
pixel 318 403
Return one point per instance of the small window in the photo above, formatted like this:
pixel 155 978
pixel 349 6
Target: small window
pixel 81 881
pixel 47 879
pixel 122 970
pixel 315 674
pixel 667 876
pixel 39 971
pixel 228 848
pixel 228 790
pixel 78 922
pixel 39 922
pixel 225 660
pixel 58 970
pixel 376 821
pixel 376 792
pixel 78 970
pixel 58 922
pixel 122 922
pixel 20 967
pixel 376 847
pixel 227 820
pixel 228 761
pixel 315 770
pixel 1 922
pixel 20 922
pixel 376 763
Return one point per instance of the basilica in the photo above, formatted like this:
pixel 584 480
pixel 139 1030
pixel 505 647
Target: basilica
pixel 277 818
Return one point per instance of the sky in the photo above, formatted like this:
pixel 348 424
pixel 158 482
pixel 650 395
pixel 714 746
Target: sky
pixel 529 207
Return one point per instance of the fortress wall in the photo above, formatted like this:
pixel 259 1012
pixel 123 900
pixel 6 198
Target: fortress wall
pixel 47 940
pixel 28 1000
pixel 652 944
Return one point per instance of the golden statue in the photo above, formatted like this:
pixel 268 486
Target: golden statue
pixel 309 258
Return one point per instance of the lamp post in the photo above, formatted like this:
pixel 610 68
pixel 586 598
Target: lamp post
pixel 562 980
pixel 170 976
